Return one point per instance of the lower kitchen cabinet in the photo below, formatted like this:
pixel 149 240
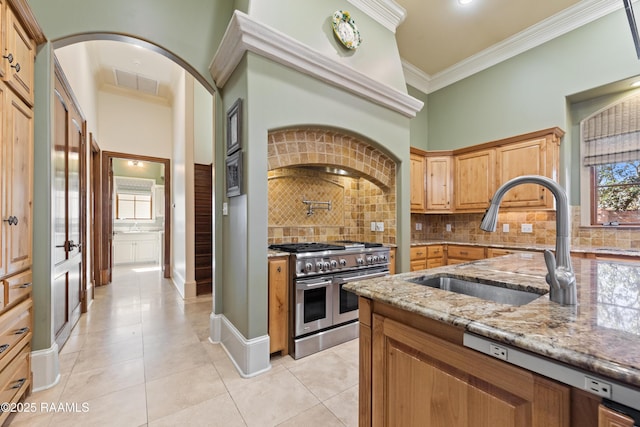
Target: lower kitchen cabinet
pixel 418 258
pixel 136 248
pixel 457 254
pixel 435 256
pixel 609 418
pixel 279 305
pixel 419 377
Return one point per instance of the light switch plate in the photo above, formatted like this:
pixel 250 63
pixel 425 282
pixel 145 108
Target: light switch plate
pixel 379 226
pixel 418 226
pixel 448 227
pixel 373 226
pixel 527 228
pixel 225 208
pixel 505 228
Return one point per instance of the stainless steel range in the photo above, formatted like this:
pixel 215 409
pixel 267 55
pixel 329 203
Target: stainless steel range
pixel 323 314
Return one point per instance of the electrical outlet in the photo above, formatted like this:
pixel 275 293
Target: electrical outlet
pixel 505 228
pixel 527 228
pixel 418 226
pixel 225 208
pixel 598 387
pixel 497 351
pixel 373 226
pixel 448 227
pixel 379 226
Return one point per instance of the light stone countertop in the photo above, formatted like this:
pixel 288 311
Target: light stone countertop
pixel 601 334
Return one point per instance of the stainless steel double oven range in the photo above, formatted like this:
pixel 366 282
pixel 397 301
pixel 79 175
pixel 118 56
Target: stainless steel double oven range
pixel 322 313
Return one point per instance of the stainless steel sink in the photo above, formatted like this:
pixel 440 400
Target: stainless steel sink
pixel 479 290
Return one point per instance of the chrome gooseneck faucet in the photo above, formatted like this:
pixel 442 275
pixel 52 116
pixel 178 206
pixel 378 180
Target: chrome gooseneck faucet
pixel 560 276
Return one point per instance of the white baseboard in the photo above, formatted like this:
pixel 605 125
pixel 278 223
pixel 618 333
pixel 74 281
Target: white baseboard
pixel 45 366
pixel 186 289
pixel 250 357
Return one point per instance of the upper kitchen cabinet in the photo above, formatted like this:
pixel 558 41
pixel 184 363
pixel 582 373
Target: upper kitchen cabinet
pixel 439 183
pixel 479 171
pixel 19 55
pixel 418 174
pixel 537 156
pixel 474 179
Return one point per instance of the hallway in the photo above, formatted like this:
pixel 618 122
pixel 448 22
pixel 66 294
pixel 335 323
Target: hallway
pixel 141 356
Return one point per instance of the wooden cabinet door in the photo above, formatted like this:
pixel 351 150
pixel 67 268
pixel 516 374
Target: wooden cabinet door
pixel 392 261
pixel 609 418
pixel 19 72
pixel 439 183
pixel 421 380
pixel 525 158
pixel 18 182
pixel 278 305
pixel 417 183
pixel 474 179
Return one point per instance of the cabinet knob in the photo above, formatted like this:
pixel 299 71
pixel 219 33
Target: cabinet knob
pixel 4 347
pixel 17 67
pixel 22 331
pixel 279 269
pixel 19 383
pixel 8 58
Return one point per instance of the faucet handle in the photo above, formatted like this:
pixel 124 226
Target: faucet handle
pixel 550 260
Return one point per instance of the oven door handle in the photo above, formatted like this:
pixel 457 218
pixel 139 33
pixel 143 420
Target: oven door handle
pixel 342 280
pixel 313 285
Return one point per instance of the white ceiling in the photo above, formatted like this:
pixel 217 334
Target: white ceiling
pixel 437 34
pixel 439 41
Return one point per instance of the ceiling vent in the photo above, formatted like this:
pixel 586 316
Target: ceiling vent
pixel 136 82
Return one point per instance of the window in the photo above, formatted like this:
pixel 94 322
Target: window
pixel 610 145
pixel 133 206
pixel 616 198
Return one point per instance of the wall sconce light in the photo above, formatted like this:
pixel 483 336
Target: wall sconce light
pixel 135 163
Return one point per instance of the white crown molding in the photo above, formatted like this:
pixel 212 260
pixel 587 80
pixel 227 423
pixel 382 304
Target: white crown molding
pixel 386 12
pixel 246 34
pixel 568 20
pixel 415 77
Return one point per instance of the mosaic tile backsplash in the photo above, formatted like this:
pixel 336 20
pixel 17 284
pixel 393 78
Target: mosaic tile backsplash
pixel 367 195
pixel 466 228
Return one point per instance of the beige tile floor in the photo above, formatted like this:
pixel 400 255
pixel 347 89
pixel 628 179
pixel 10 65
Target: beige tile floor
pixel 141 357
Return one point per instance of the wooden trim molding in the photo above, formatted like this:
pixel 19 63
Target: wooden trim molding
pixel 28 20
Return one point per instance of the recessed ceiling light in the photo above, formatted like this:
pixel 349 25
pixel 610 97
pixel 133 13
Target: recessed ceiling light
pixel 635 84
pixel 464 2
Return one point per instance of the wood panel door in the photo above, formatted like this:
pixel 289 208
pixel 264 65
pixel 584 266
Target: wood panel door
pixel 69 285
pixel 417 192
pixel 474 179
pixel 18 169
pixel 439 184
pixel 203 194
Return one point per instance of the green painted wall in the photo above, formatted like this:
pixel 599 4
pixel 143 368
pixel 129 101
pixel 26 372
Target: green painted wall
pixel 419 125
pixel 311 25
pixel 529 92
pixel 189 29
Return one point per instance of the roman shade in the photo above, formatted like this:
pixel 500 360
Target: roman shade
pixel 612 135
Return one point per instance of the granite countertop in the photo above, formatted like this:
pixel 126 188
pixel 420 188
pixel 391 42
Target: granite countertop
pixel 534 247
pixel 601 334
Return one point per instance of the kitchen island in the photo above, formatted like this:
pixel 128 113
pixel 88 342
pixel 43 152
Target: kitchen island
pixel 414 361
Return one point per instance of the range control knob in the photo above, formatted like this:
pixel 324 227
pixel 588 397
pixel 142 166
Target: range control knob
pixel 326 265
pixel 319 265
pixel 308 267
pixel 360 261
pixel 383 258
pixel 369 260
pixel 376 258
pixel 334 263
pixel 343 262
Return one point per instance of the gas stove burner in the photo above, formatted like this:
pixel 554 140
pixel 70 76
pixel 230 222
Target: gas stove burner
pixel 364 244
pixel 306 247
